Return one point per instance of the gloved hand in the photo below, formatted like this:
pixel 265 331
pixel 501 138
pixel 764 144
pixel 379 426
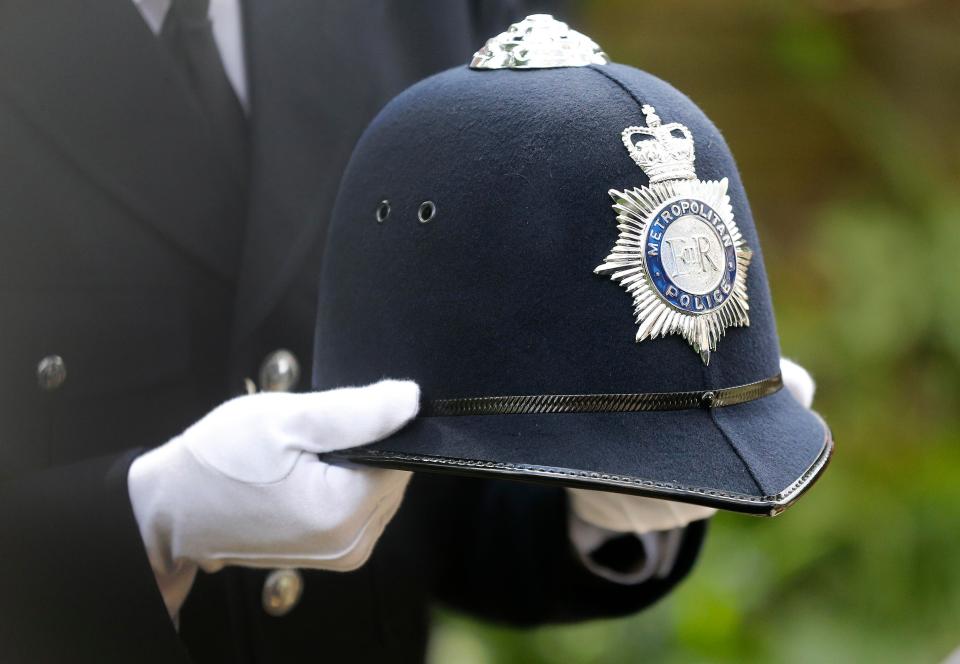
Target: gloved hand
pixel 798 381
pixel 243 486
pixel 621 513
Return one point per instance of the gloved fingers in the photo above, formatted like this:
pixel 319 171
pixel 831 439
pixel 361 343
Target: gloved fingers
pixel 299 539
pixel 685 513
pixel 352 416
pixel 634 514
pixel 798 381
pixel 603 510
pixel 348 488
pixel 332 504
pixel 369 537
pixel 258 438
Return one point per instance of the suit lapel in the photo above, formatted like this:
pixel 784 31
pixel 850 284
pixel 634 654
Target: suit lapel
pixel 93 79
pixel 314 84
pixel 289 187
pixel 318 73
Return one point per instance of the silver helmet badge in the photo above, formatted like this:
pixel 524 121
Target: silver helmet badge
pixel 679 252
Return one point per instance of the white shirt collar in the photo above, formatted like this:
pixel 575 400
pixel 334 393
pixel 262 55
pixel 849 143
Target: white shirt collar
pixel 153 12
pixel 227 32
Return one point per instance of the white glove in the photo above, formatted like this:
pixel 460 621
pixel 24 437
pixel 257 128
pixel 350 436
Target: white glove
pixel 798 381
pixel 243 486
pixel 620 513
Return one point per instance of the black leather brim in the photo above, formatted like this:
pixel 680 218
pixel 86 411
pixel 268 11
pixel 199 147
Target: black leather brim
pixel 757 458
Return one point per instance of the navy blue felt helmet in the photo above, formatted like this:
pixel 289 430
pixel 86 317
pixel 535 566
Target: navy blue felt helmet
pixel 559 250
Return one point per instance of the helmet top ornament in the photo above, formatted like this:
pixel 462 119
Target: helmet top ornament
pixel 538 42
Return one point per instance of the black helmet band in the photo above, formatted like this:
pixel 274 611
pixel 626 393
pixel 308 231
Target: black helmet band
pixel 602 403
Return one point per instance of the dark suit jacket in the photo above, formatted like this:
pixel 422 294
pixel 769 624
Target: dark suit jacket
pixel 130 250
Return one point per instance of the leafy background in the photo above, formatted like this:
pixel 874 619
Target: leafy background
pixel 843 115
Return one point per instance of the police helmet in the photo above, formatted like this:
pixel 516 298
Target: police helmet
pixel 559 250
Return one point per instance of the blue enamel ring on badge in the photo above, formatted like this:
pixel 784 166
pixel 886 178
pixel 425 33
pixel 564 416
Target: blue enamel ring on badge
pixel 690 256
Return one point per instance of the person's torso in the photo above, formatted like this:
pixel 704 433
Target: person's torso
pixel 140 285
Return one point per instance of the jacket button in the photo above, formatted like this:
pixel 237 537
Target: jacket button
pixel 51 372
pixel 279 372
pixel 281 591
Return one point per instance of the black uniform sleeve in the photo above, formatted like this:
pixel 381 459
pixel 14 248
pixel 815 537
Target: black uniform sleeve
pixel 504 554
pixel 76 582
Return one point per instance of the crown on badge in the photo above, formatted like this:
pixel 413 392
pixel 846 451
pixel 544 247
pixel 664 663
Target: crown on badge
pixel 666 153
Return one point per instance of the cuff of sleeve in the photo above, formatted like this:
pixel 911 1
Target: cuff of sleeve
pixel 74 563
pixel 624 558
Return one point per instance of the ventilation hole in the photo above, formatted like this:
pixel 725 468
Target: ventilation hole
pixel 383 211
pixel 427 211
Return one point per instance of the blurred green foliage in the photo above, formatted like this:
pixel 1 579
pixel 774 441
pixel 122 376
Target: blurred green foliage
pixel 843 117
